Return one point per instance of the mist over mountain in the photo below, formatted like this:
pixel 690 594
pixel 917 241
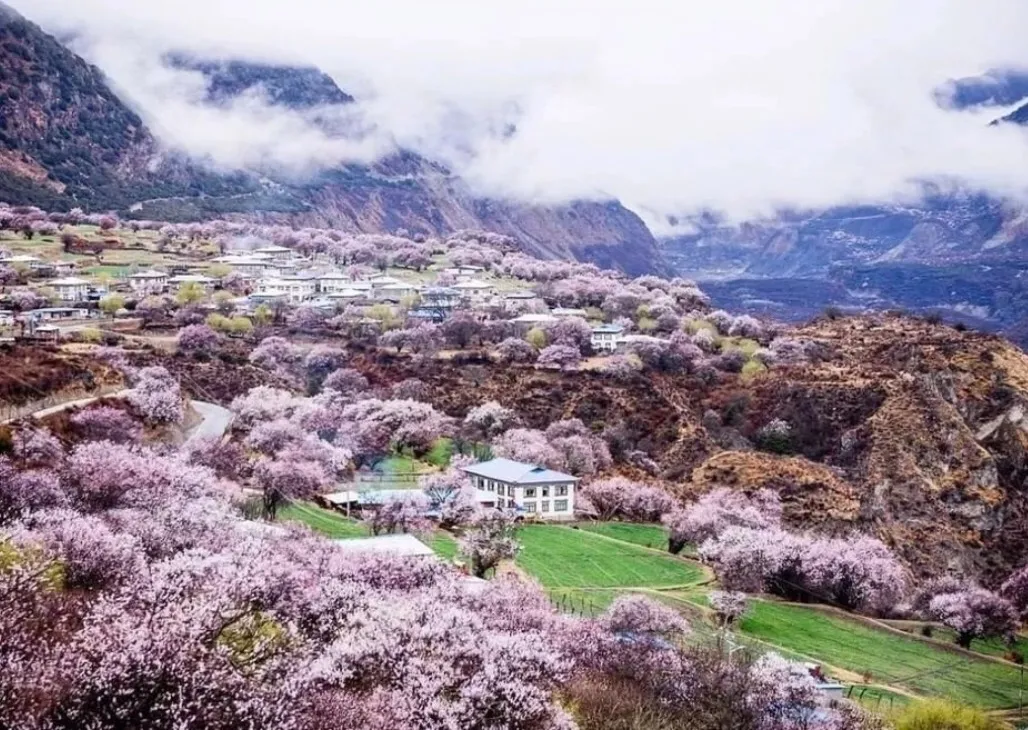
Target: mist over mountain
pixel 66 139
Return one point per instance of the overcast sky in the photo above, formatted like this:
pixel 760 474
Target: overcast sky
pixel 672 106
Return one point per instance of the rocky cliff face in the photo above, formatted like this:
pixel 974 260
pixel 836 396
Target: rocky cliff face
pixel 66 140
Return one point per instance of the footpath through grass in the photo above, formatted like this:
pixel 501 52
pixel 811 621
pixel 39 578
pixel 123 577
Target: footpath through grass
pixel 563 557
pixel 884 657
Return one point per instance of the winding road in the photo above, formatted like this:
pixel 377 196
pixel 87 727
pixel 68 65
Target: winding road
pixel 215 421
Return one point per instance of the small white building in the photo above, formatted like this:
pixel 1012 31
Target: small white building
pixel 204 282
pixel 525 322
pixel 29 262
pixel 395 292
pixel 276 253
pixel 70 289
pixel 334 281
pixel 533 490
pixel 295 288
pixel 474 288
pixel 252 265
pixel 148 282
pixel 606 337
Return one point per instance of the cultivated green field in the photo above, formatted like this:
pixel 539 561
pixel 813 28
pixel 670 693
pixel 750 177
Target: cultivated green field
pixel 884 657
pixel 562 557
pixel 322 521
pixel 651 536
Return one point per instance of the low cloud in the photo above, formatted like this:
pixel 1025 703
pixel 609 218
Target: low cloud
pixel 740 107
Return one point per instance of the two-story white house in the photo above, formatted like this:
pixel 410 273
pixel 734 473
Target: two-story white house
pixel 606 337
pixel 475 289
pixel 295 288
pixel 148 282
pixel 70 289
pixel 527 488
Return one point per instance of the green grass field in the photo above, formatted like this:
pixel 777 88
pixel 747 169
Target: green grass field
pixel 990 647
pixel 444 544
pixel 440 453
pixel 562 557
pixel 651 536
pixel 322 521
pixel 885 657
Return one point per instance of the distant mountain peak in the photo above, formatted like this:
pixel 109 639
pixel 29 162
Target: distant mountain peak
pixel 293 87
pixel 995 87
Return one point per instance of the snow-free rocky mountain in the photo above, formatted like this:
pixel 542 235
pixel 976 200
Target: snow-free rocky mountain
pixel 959 254
pixel 67 140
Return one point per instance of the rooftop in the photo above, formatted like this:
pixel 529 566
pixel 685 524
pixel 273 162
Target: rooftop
pixel 403 545
pixel 472 284
pixel 516 472
pixel 70 281
pixel 148 275
pixel 612 329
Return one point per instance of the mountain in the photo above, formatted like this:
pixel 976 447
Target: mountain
pixel 961 255
pixel 301 87
pixel 67 140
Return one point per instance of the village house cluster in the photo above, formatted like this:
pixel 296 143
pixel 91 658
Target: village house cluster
pixel 280 278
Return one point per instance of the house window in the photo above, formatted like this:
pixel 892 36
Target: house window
pixel 546 491
pixel 529 492
pixel 560 505
pixel 529 506
pixel 561 491
pixel 546 505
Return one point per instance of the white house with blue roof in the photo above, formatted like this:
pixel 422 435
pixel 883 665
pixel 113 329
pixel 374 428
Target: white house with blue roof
pixel 533 490
pixel 607 337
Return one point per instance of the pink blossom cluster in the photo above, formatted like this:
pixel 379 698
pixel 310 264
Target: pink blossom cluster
pixel 625 499
pixel 717 510
pixel 106 423
pixel 856 573
pixel 565 445
pixel 156 396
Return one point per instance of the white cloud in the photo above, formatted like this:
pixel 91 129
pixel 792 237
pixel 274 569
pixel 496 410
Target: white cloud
pixel 737 106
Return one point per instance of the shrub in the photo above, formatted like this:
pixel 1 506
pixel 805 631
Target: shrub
pixel 944 715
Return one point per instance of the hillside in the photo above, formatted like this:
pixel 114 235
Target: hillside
pixel 912 431
pixel 66 140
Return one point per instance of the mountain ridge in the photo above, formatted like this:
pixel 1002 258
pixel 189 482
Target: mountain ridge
pixel 67 140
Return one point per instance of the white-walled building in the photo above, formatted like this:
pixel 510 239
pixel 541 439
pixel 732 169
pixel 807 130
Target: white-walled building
pixel 533 490
pixel 70 289
pixel 334 281
pixel 395 292
pixel 606 337
pixel 474 288
pixel 204 282
pixel 276 253
pixel 295 288
pixel 148 282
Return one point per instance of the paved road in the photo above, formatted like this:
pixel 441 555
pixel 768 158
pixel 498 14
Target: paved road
pixel 74 404
pixel 215 421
